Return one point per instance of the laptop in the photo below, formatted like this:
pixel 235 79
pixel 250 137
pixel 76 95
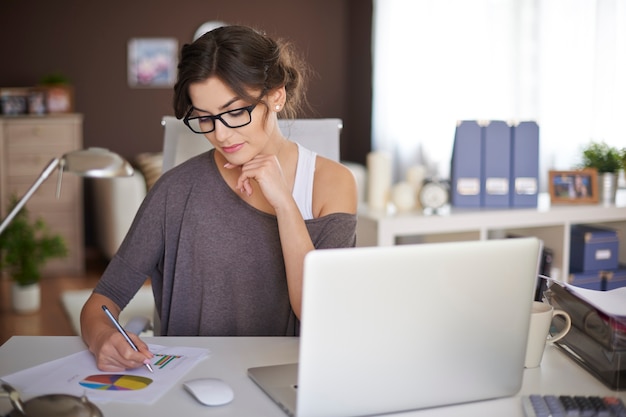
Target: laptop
pixel 389 329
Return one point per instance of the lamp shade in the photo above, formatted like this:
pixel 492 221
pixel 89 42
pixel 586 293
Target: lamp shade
pixel 96 163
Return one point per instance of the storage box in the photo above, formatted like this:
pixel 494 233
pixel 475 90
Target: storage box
pixel 593 248
pixel 596 341
pixel 603 280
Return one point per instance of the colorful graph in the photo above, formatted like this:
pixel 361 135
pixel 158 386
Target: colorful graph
pixel 115 382
pixel 163 360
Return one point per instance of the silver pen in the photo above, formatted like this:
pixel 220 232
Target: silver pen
pixel 123 332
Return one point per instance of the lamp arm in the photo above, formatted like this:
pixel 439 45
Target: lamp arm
pixel 54 163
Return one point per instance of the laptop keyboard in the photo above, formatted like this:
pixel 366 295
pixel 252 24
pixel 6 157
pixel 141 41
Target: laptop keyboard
pixel 572 406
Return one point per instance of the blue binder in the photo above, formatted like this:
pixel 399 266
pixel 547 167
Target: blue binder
pixel 465 167
pixel 525 165
pixel 496 166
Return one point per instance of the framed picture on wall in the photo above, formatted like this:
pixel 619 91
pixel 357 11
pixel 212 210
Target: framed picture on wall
pixel 152 62
pixel 574 187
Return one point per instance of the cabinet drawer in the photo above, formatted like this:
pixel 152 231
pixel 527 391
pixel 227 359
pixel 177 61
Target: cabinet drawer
pixel 23 137
pixel 45 198
pixel 32 147
pixel 30 165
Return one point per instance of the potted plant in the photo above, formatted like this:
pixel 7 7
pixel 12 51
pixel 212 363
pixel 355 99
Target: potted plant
pixel 607 160
pixel 59 93
pixel 25 246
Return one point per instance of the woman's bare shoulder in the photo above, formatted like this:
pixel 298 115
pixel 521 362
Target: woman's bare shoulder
pixel 334 189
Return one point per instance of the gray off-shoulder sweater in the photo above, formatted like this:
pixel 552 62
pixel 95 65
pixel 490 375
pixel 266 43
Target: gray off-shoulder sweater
pixel 215 262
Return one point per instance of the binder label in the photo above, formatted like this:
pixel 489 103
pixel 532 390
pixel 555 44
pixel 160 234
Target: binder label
pixel 525 186
pixel 497 186
pixel 468 186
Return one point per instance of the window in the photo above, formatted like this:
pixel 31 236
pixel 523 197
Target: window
pixel 559 62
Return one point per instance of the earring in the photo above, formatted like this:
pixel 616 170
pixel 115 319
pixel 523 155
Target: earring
pixel 277 107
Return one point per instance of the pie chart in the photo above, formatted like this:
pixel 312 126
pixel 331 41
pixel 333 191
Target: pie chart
pixel 115 382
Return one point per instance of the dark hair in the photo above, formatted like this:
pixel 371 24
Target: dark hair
pixel 243 59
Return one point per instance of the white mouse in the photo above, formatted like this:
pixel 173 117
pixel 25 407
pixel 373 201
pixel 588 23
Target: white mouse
pixel 210 391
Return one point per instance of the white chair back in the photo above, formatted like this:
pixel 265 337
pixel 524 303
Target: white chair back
pixel 319 135
pixel 180 143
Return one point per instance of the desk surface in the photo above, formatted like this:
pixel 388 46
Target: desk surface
pixel 232 356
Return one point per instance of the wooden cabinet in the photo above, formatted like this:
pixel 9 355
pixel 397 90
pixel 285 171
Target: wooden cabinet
pixel 27 145
pixel 547 222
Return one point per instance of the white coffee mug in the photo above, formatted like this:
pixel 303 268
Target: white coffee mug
pixel 539 331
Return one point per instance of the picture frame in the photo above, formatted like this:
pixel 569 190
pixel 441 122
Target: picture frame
pixel 13 101
pixel 152 62
pixel 574 187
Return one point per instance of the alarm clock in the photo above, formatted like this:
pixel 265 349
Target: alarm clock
pixel 434 194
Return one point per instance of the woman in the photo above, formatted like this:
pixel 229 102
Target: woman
pixel 222 237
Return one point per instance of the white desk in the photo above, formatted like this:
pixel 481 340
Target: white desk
pixel 231 357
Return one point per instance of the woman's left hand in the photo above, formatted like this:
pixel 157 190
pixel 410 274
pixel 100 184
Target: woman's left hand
pixel 268 174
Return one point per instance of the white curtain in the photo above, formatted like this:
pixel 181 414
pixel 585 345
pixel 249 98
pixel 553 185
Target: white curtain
pixel 561 63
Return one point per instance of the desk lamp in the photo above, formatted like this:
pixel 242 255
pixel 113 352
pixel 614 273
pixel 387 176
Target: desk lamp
pixel 91 162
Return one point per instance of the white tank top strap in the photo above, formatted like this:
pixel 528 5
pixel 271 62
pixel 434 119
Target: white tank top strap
pixel 303 183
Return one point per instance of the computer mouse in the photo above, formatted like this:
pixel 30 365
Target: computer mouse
pixel 210 391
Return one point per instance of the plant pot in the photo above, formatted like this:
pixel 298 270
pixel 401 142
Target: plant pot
pixel 26 298
pixel 607 187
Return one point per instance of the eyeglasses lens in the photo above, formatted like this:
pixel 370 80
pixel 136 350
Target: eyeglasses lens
pixel 233 118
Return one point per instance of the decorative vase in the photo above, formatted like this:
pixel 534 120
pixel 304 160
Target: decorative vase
pixel 607 187
pixel 26 298
pixel 404 196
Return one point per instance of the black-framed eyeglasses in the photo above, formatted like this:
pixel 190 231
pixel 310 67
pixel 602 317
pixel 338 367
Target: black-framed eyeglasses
pixel 231 118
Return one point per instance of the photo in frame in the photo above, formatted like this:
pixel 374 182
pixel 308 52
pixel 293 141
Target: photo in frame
pixel 152 62
pixel 574 187
pixel 13 101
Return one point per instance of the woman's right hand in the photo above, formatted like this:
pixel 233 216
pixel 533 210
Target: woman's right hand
pixel 111 350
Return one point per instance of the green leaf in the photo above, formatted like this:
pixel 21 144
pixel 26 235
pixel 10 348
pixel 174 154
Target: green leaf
pixel 602 157
pixel 25 246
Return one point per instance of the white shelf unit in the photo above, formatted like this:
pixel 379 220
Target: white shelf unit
pixel 549 223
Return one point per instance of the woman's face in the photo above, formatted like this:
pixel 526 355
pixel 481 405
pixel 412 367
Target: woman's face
pixel 238 145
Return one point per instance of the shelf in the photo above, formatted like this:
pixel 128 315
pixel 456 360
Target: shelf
pixel 551 223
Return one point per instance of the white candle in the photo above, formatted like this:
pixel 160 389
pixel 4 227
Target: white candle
pixel 415 175
pixel 379 179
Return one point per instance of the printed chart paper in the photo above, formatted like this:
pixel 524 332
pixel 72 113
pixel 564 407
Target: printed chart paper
pixel 611 302
pixel 78 375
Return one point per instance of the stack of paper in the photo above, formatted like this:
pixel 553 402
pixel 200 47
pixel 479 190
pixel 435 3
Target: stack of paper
pixel 611 303
pixel 78 375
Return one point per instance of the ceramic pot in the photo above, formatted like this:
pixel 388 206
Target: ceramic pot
pixel 26 299
pixel 607 187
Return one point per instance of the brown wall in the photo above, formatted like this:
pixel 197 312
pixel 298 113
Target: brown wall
pixel 87 41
